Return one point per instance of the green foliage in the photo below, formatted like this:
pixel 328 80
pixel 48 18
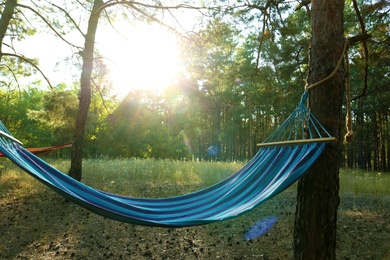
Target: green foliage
pixel 15 107
pixel 19 27
pixel 56 116
pixel 39 118
pixel 140 127
pixel 370 86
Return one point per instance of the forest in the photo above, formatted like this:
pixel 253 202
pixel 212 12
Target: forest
pixel 243 71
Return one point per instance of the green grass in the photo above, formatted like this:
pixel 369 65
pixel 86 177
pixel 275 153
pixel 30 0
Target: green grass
pixel 132 177
pixel 149 177
pixel 360 182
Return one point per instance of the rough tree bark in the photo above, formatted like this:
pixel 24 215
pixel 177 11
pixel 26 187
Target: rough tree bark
pixel 318 190
pixel 5 19
pixel 75 170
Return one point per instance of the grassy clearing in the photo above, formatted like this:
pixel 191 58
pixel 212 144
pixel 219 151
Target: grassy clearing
pixel 38 224
pixel 360 182
pixel 150 178
pixel 125 176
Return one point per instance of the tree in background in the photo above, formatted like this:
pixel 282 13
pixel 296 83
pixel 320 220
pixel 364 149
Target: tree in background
pixel 87 55
pixel 55 116
pixel 370 92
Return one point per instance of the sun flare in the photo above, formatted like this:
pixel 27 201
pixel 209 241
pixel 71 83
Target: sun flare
pixel 142 57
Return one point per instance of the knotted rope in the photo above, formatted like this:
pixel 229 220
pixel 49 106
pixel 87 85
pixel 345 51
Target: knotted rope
pixel 348 137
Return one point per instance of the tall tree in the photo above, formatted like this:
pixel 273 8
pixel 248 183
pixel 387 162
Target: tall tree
pixel 318 190
pixel 75 170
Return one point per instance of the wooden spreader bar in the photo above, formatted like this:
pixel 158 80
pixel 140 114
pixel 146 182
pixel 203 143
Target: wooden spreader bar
pixel 299 141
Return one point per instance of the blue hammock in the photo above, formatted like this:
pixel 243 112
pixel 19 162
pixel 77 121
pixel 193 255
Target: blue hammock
pixel 273 169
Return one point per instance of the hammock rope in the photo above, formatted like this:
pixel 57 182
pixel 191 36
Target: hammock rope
pixel 274 168
pixel 43 150
pixel 348 137
pixel 336 68
pixel 300 127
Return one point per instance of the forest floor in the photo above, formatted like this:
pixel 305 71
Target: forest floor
pixel 42 225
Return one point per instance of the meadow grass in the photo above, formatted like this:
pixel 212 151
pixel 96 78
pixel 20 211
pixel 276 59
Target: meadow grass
pixel 361 182
pixel 150 177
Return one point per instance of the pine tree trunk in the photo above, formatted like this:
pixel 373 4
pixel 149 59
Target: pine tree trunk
pixel 387 143
pixel 318 189
pixel 75 170
pixel 361 132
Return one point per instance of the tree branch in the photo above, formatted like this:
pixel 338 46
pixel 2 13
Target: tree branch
pixel 100 94
pixel 32 64
pixel 154 19
pixel 68 16
pixel 265 17
pixel 49 25
pixel 303 3
pixel 373 90
pixel 12 72
pixel 161 7
pixel 365 48
pixel 358 38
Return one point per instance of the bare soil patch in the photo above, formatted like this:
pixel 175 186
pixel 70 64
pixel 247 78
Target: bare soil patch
pixel 42 225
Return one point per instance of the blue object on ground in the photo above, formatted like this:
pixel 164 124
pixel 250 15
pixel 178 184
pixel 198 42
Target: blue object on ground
pixel 260 228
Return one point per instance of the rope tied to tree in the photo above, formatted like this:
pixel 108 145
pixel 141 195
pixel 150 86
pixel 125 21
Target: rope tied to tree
pixel 308 87
pixel 348 137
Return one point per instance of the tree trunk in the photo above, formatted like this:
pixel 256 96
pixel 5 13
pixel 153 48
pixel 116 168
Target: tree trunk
pixel 375 144
pixel 361 130
pixel 351 157
pixel 387 142
pixel 252 146
pixel 318 189
pixel 6 16
pixel 75 170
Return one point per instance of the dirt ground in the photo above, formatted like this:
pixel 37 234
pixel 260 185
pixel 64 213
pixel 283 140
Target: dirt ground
pixel 42 225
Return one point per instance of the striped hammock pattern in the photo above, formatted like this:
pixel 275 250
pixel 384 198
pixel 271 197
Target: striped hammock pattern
pixel 273 169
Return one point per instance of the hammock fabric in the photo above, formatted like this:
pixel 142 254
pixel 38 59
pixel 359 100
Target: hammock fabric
pixel 272 170
pixel 45 150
